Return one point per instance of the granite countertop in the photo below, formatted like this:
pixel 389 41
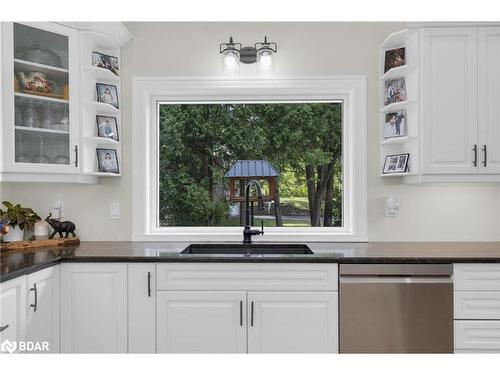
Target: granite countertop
pixel 16 263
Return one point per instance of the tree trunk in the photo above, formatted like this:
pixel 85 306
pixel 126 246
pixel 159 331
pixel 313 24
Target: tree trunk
pixel 328 214
pixel 277 207
pixel 211 218
pixel 314 195
pixel 310 187
pixel 242 204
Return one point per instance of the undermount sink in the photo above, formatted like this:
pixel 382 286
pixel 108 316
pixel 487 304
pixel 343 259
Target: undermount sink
pixel 246 249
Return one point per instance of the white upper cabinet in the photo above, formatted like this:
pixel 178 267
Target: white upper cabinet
pixel 48 84
pixel 40 78
pixel 449 100
pixel 489 99
pixel 455 135
pixel 94 308
pixel 42 317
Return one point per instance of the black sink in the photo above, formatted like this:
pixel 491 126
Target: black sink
pixel 246 249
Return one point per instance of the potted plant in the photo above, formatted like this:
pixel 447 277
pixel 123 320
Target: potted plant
pixel 20 218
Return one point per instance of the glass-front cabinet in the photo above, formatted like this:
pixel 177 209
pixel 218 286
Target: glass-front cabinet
pixel 40 98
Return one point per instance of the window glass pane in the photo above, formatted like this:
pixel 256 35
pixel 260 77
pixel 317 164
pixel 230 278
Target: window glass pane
pixel 209 152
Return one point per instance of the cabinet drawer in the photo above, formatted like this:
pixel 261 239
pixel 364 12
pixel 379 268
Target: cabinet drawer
pixel 231 276
pixel 474 276
pixel 477 305
pixel 477 336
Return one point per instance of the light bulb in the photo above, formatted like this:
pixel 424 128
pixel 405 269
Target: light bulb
pixel 265 60
pixel 231 62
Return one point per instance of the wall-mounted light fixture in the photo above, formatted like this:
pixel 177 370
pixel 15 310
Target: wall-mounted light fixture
pixel 233 53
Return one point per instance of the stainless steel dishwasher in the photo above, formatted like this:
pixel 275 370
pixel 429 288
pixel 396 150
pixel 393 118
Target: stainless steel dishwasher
pixel 396 308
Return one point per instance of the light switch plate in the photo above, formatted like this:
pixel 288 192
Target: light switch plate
pixel 114 211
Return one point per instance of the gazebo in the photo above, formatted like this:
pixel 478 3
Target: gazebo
pixel 245 170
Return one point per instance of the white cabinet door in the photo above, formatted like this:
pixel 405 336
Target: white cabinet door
pixel 42 317
pixel 12 312
pixel 449 100
pixel 94 307
pixel 32 142
pixel 477 336
pixel 201 322
pixel 141 308
pixel 489 99
pixel 293 322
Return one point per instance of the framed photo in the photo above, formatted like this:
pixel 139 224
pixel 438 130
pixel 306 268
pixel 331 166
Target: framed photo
pixel 395 124
pixel 396 163
pixel 107 160
pixel 394 58
pixel 107 127
pixel 107 94
pixel 395 91
pixel 106 62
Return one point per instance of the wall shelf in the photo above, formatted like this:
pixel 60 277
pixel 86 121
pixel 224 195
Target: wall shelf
pixel 397 72
pixel 104 108
pixel 102 141
pixel 102 74
pixel 102 174
pixel 394 107
pixel 394 140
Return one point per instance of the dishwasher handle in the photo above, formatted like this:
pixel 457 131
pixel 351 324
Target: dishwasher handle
pixel 395 279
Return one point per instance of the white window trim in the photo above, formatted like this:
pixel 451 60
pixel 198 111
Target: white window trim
pixel 147 91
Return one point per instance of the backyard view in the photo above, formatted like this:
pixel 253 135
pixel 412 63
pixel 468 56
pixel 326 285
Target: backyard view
pixel 200 143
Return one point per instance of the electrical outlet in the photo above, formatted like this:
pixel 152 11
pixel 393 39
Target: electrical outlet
pixel 114 211
pixel 57 209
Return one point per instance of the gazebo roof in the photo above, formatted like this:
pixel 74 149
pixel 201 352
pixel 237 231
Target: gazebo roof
pixel 252 168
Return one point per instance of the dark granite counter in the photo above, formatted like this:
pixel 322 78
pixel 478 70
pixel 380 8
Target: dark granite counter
pixel 16 263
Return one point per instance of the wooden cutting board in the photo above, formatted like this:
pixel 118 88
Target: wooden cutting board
pixel 28 245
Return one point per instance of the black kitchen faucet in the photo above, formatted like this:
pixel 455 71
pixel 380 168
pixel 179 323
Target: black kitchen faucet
pixel 248 232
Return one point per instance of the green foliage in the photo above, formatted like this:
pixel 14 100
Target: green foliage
pixel 17 215
pixel 200 142
pixel 292 184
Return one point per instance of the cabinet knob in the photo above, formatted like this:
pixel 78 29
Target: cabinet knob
pixel 485 161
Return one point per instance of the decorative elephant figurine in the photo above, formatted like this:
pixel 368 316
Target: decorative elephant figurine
pixel 61 227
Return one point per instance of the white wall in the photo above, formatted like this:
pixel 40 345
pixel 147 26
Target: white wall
pixel 428 212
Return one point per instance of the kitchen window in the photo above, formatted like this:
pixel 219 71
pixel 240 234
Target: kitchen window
pixel 310 133
pixel 295 149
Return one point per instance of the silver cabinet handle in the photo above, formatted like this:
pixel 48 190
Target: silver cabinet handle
pixel 485 161
pixel 241 313
pixel 76 155
pixel 149 284
pixel 251 314
pixel 4 328
pixel 474 163
pixel 34 305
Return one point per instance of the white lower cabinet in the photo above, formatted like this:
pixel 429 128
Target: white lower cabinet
pixel 201 322
pixel 477 336
pixel 12 311
pixel 94 307
pixel 476 307
pixel 293 322
pixel 266 308
pixel 42 317
pixel 141 307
